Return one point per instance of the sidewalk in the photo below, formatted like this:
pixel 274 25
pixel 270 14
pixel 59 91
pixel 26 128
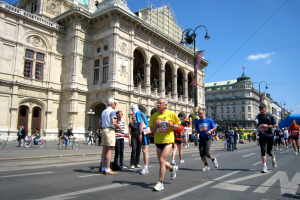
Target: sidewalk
pixel 12 153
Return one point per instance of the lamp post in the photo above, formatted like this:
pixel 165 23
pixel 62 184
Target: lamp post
pixel 259 91
pixel 189 37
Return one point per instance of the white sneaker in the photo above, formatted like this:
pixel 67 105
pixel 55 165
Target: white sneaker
pixel 206 168
pixel 173 162
pixel 216 164
pixel 173 172
pixel 181 161
pixel 296 153
pixel 159 186
pixel 144 171
pixel 264 169
pixel 274 163
pixel 132 167
pixel 138 166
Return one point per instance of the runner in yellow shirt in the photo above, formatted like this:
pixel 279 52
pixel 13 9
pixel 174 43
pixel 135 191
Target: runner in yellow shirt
pixel 162 124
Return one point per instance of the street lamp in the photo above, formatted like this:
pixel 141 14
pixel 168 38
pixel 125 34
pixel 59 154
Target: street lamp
pixel 189 37
pixel 259 89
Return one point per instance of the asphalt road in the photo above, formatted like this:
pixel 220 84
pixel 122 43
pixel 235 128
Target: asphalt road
pixel 238 177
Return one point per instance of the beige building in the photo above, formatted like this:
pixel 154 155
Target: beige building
pixel 59 59
pixel 234 103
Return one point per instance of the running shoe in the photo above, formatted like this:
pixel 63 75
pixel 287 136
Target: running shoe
pixel 132 167
pixel 205 168
pixel 181 161
pixel 274 163
pixel 144 171
pixel 216 164
pixel 173 172
pixel 138 166
pixel 159 186
pixel 264 169
pixel 173 162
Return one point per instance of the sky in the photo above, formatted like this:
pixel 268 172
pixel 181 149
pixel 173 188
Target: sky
pixel 262 35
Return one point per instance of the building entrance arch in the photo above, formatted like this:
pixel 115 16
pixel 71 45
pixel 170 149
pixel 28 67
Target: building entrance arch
pixel 96 118
pixel 23 117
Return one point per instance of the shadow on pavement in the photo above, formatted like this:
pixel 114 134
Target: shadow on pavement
pixel 243 170
pixel 293 196
pixel 189 169
pixel 141 184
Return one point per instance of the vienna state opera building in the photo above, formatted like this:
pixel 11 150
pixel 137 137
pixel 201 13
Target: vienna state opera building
pixel 61 60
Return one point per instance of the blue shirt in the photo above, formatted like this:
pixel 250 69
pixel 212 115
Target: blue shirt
pixel 141 117
pixel 107 117
pixel 202 126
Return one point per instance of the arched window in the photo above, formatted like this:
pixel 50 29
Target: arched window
pixel 168 79
pixel 138 68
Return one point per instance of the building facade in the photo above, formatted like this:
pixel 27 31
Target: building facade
pixel 62 58
pixel 234 103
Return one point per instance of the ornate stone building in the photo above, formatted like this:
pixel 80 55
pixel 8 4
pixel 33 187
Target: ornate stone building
pixel 59 59
pixel 234 103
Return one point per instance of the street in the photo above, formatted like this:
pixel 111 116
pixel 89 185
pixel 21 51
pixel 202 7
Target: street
pixel 238 177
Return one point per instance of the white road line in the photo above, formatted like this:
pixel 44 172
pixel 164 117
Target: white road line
pixel 91 190
pixel 197 187
pixel 248 155
pixel 229 185
pixel 27 174
pixel 84 176
pixel 257 163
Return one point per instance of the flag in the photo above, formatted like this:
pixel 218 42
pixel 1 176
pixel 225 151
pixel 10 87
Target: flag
pixel 199 57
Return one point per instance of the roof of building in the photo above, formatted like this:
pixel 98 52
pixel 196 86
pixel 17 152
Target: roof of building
pixel 220 83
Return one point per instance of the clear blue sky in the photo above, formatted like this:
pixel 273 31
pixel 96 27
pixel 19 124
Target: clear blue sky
pixel 262 35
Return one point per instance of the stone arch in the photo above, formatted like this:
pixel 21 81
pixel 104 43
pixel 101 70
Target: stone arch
pixel 169 78
pixel 94 120
pixel 35 115
pixel 139 63
pixel 155 64
pixel 190 84
pixel 180 82
pixel 37 40
pixel 23 115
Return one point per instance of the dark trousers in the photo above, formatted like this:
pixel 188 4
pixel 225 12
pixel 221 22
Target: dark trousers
pixel 119 152
pixel 266 145
pixel 204 149
pixel 136 146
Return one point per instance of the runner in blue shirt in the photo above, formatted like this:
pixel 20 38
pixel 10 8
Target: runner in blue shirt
pixel 205 127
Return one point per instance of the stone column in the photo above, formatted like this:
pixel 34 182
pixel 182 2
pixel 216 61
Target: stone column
pixel 147 76
pixel 175 83
pixel 162 80
pixel 186 85
pixel 29 120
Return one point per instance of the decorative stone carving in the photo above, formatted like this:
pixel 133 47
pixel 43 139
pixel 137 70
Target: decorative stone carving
pixel 53 7
pixel 123 47
pixel 36 41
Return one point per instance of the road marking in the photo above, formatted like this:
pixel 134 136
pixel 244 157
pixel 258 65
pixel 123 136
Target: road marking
pixel 84 176
pixel 91 190
pixel 257 163
pixel 286 186
pixel 27 174
pixel 228 185
pixel 197 187
pixel 248 155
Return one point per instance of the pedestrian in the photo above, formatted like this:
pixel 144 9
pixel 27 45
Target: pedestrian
pixel 294 131
pixel 205 127
pixel 236 137
pixel 134 143
pixel 266 122
pixel 179 137
pixel 162 124
pixel 109 123
pixel 144 136
pixel 286 137
pixel 90 136
pixel 21 135
pixel 119 148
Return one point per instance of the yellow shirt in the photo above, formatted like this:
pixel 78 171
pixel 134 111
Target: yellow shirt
pixel 164 134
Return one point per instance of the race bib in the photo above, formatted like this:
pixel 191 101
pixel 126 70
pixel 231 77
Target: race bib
pixel 203 127
pixel 163 126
